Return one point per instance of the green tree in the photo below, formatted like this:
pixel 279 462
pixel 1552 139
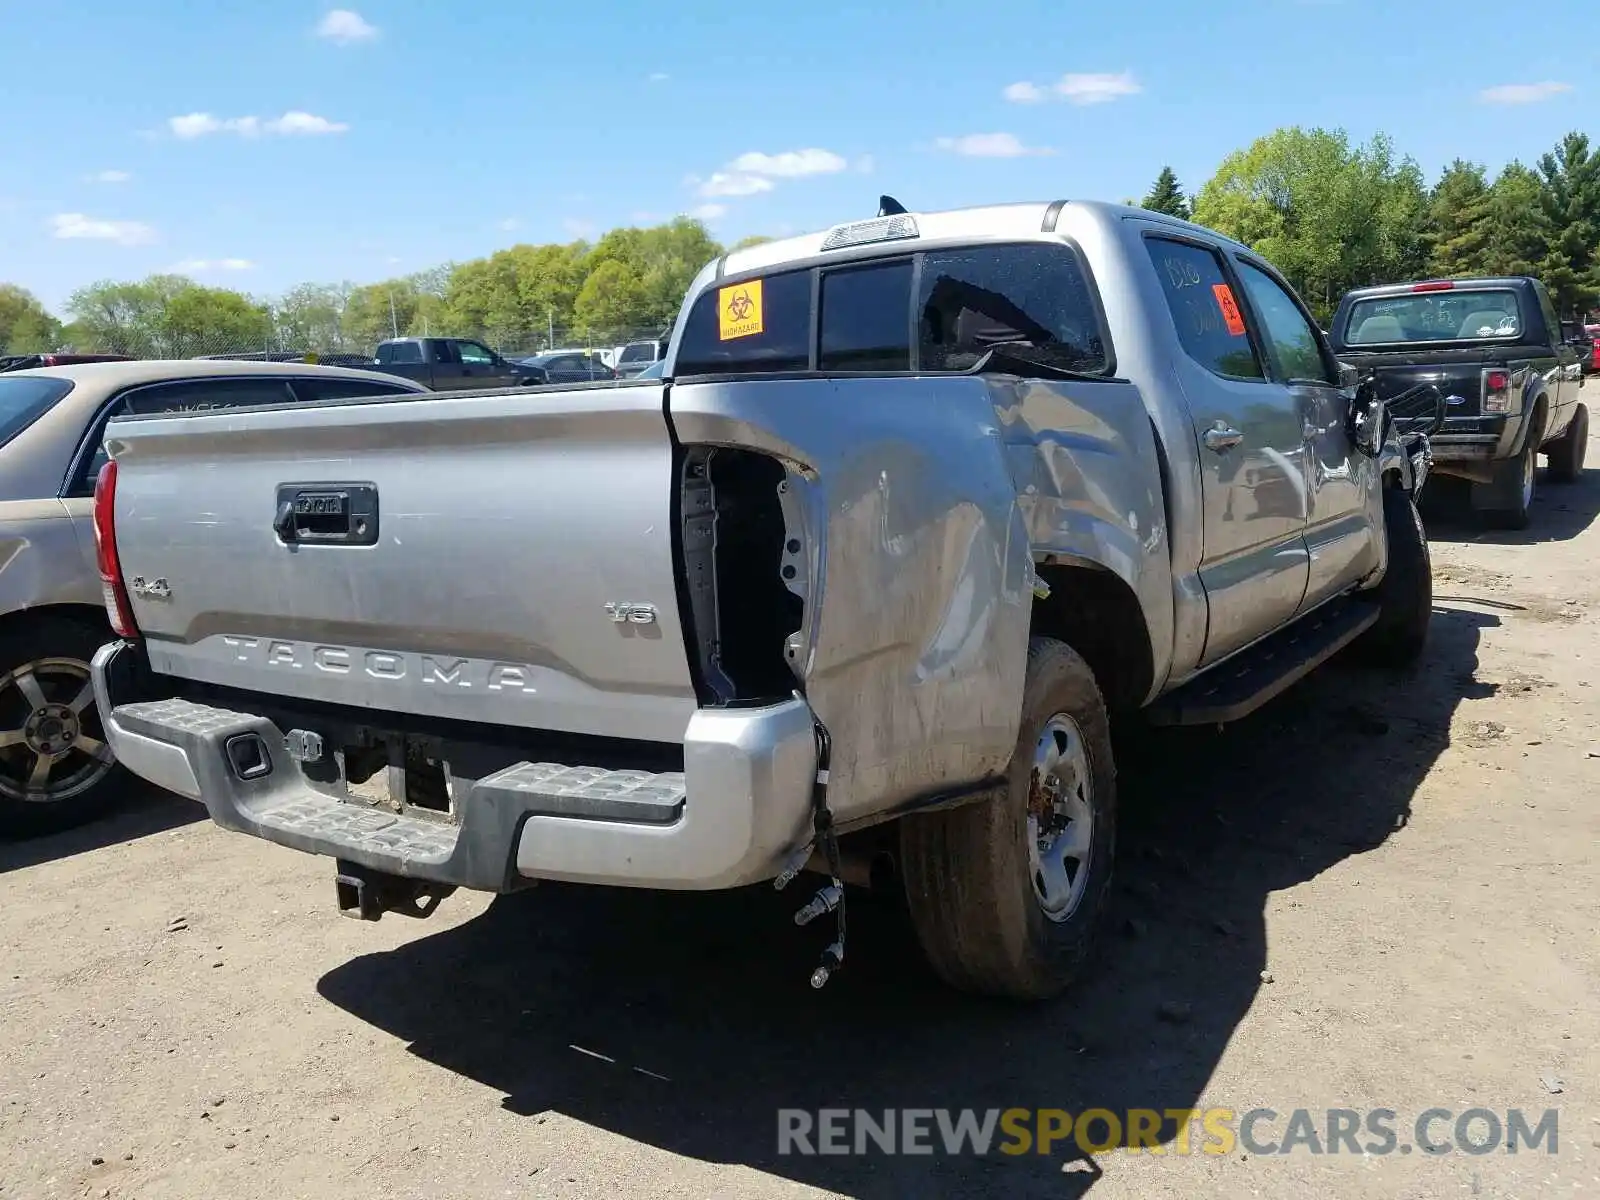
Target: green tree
pixel 1330 216
pixel 744 243
pixel 203 320
pixel 1165 196
pixel 310 317
pixel 1458 221
pixel 1571 195
pixel 25 326
pixel 123 318
pixel 1516 227
pixel 167 316
pixel 611 298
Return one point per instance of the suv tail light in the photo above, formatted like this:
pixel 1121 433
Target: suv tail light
pixel 1496 391
pixel 118 607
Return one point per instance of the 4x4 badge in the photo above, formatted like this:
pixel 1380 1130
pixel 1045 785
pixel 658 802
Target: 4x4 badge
pixel 150 589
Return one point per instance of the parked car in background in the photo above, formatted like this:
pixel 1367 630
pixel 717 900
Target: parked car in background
pixel 567 366
pixel 55 768
pixel 1593 366
pixel 1511 379
pixel 447 363
pixel 923 506
pixel 27 362
pixel 636 356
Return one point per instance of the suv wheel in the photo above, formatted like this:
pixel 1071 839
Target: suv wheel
pixel 1566 455
pixel 56 769
pixel 1006 894
pixel 1405 595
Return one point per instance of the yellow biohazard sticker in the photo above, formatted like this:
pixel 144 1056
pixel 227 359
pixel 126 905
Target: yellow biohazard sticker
pixel 739 310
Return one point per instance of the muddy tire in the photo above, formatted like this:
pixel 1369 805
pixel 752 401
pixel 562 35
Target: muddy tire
pixel 1514 479
pixel 56 770
pixel 1006 894
pixel 1405 597
pixel 1566 454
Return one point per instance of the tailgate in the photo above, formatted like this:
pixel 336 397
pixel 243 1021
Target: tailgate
pixel 1458 374
pixel 449 557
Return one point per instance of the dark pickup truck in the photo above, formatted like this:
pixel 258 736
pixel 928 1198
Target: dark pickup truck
pixel 1512 380
pixel 446 364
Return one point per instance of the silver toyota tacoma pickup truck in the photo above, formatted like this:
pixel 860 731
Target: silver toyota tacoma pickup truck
pixel 921 503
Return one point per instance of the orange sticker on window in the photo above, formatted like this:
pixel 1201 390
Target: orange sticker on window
pixel 1230 308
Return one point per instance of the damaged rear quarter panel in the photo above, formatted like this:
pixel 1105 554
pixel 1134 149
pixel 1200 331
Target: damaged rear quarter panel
pixel 1087 474
pixel 914 644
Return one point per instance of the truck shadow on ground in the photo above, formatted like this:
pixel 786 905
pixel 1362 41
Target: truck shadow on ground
pixel 685 1022
pixel 142 810
pixel 1559 513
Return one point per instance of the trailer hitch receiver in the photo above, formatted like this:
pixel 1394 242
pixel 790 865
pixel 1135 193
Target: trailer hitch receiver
pixel 366 894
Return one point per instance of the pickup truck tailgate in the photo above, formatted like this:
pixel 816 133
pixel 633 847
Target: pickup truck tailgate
pixel 504 558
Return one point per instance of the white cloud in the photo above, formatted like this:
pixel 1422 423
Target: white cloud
pixel 1024 93
pixel 723 183
pixel 709 212
pixel 991 145
pixel 1523 93
pixel 201 266
pixel 305 123
pixel 658 77
pixel 292 123
pixel 1097 89
pixel 193 125
pixel 110 177
pixel 791 164
pixel 754 172
pixel 578 227
pixel 126 233
pixel 510 223
pixel 393 259
pixel 343 26
pixel 865 164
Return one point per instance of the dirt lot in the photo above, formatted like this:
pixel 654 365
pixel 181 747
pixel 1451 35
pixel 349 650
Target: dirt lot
pixel 1374 894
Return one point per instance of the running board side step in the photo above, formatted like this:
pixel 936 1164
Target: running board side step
pixel 1238 686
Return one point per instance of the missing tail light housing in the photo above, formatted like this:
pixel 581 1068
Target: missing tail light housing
pixel 118 606
pixel 1496 391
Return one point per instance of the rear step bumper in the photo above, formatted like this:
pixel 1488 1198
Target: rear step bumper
pixel 735 814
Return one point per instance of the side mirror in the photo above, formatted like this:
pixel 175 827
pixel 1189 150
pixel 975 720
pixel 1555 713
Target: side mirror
pixel 1349 377
pixel 1368 418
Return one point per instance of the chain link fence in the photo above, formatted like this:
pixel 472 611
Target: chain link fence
pixel 338 349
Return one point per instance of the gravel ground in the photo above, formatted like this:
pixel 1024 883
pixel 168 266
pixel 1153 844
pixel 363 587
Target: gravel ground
pixel 1372 894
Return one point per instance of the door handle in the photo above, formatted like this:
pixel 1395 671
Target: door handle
pixel 1221 437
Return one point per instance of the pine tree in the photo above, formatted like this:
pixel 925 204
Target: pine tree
pixel 1458 221
pixel 1166 196
pixel 1571 202
pixel 1517 230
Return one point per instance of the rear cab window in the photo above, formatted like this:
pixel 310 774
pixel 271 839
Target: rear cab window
pixel 1449 315
pixel 928 311
pixel 400 352
pixel 24 399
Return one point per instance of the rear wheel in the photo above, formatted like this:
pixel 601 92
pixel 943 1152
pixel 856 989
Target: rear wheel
pixel 56 769
pixel 1514 480
pixel 1567 453
pixel 1006 894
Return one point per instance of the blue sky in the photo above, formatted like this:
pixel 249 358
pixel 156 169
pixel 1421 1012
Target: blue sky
pixel 257 146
